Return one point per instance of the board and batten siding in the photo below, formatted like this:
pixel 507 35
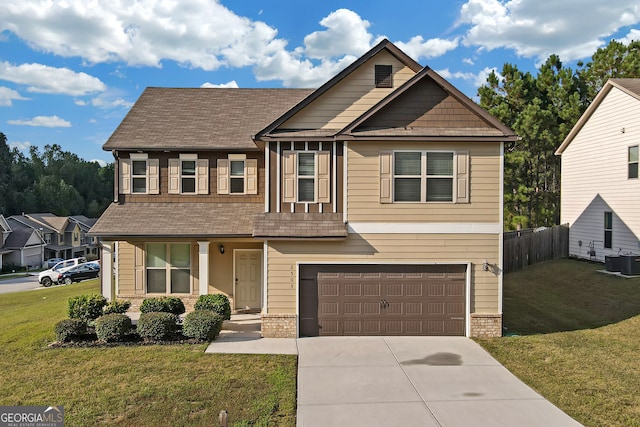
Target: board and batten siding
pixel 594 178
pixel 283 258
pixel 363 190
pixel 351 97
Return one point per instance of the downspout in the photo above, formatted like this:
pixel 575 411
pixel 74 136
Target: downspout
pixel 116 174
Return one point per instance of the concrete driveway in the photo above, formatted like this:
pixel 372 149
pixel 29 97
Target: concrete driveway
pixel 397 381
pixel 413 381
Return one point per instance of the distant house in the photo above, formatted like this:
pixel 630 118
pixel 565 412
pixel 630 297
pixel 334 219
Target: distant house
pixel 64 237
pixel 369 206
pixel 600 177
pixel 24 244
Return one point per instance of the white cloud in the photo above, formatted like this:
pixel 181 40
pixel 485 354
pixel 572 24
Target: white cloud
pixel 21 146
pixel 193 33
pixel 572 29
pixel 346 33
pixel 633 35
pixel 7 96
pixel 478 79
pixel 417 47
pixel 45 79
pixel 42 121
pixel 232 84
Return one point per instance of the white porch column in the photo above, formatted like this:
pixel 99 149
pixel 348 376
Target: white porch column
pixel 203 258
pixel 106 271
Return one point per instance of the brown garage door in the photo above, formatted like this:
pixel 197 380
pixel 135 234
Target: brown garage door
pixel 382 300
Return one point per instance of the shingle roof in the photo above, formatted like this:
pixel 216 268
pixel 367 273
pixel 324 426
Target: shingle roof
pixel 300 225
pixel 19 235
pixel 177 219
pixel 201 118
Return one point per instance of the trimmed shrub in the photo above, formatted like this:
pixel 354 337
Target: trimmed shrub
pixel 86 307
pixel 113 327
pixel 156 326
pixel 116 306
pixel 216 302
pixel 162 304
pixel 70 329
pixel 202 325
pixel 175 305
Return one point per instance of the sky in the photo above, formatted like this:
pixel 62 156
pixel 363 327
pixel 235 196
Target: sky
pixel 70 70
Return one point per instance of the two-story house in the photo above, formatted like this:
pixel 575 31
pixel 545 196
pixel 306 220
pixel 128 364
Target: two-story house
pixel 369 206
pixel 603 214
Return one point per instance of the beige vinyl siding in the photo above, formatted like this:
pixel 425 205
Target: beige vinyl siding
pixel 594 177
pixel 221 265
pixel 363 191
pixel 385 248
pixel 351 97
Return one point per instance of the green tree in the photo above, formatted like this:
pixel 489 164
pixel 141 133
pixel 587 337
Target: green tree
pixel 6 191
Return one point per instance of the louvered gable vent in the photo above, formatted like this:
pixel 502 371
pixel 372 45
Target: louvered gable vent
pixel 383 76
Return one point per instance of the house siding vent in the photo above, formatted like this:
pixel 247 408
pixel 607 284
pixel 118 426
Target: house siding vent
pixel 383 76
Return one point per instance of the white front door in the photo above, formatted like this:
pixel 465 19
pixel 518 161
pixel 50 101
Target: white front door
pixel 248 279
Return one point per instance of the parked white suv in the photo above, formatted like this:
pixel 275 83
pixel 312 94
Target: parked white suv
pixel 49 277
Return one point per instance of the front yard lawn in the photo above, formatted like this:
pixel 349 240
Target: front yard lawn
pixel 582 345
pixel 175 385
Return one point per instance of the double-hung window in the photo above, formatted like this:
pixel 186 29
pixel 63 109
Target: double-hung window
pixel 633 161
pixel 138 176
pixel 423 176
pixel 306 176
pixel 237 175
pixel 168 268
pixel 188 175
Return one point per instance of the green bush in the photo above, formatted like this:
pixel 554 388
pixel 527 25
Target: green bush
pixel 162 304
pixel 217 302
pixel 86 307
pixel 116 306
pixel 156 326
pixel 69 329
pixel 202 325
pixel 113 327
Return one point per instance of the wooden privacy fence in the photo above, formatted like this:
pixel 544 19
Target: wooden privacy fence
pixel 528 247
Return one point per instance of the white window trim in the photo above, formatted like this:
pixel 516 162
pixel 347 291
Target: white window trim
pixel 637 162
pixel 145 176
pixel 424 176
pixel 194 176
pixel 244 175
pixel 168 268
pixel 313 177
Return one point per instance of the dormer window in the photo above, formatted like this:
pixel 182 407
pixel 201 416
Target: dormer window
pixel 383 76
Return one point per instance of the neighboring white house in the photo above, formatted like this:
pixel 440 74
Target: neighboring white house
pixel 600 181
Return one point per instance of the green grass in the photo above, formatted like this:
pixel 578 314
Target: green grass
pixel 582 346
pixel 177 385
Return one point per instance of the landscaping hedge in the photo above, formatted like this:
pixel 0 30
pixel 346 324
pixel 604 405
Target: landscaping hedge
pixel 202 325
pixel 156 326
pixel 162 304
pixel 218 303
pixel 70 329
pixel 113 327
pixel 116 306
pixel 86 307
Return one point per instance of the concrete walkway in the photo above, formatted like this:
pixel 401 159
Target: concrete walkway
pixel 397 381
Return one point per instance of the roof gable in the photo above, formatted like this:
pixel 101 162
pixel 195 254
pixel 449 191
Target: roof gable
pixel 404 68
pixel 428 106
pixel 629 86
